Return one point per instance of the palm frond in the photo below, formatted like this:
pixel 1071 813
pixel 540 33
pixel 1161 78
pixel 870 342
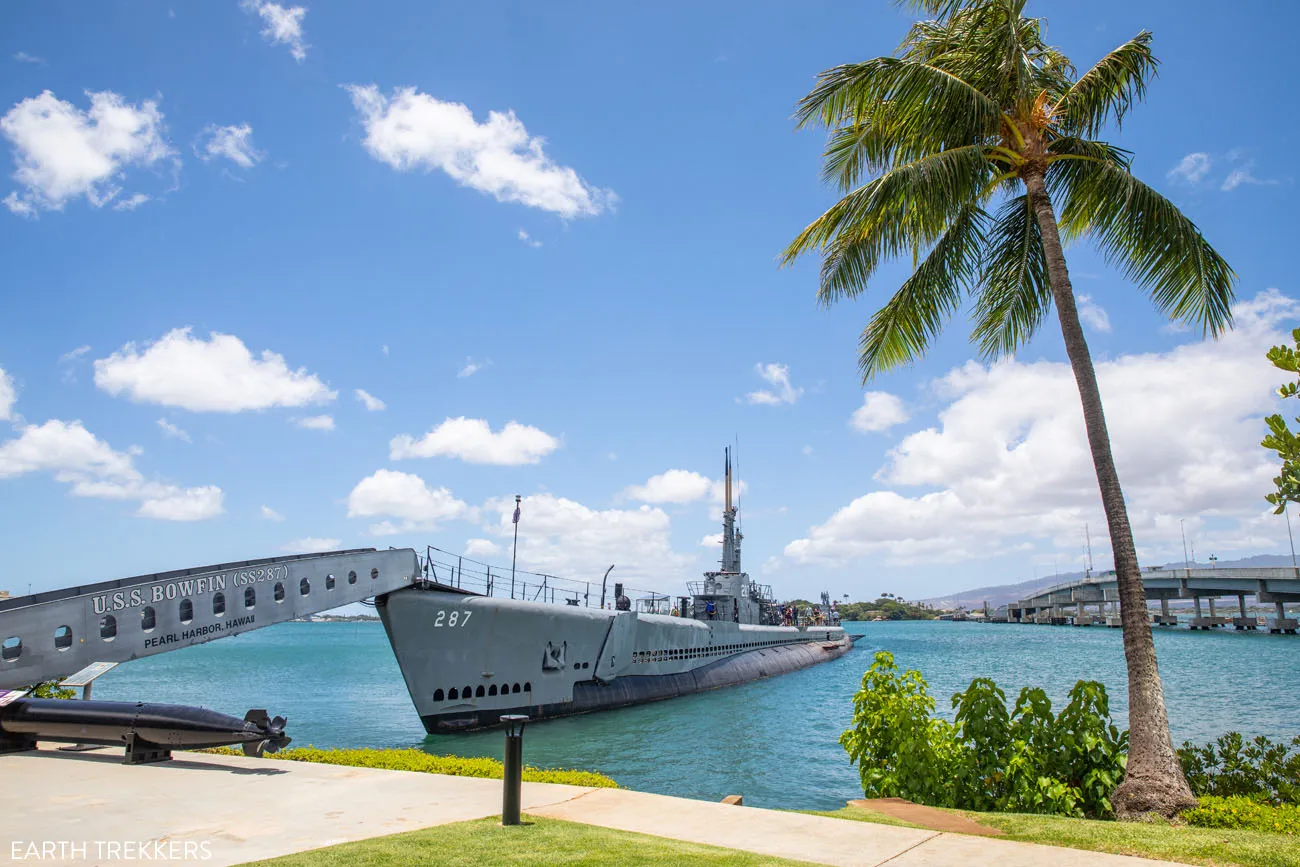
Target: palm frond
pixel 1107 91
pixel 1015 291
pixel 953 111
pixel 1149 239
pixel 902 330
pixel 905 209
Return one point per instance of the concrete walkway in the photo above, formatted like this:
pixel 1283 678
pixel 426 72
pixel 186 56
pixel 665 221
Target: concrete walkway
pixel 233 809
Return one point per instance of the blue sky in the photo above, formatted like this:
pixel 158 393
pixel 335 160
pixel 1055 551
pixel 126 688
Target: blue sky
pixel 328 193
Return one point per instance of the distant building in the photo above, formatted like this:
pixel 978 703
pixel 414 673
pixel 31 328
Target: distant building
pixel 4 594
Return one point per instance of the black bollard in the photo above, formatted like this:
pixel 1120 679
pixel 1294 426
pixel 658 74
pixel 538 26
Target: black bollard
pixel 513 776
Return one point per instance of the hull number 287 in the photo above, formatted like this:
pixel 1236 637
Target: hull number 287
pixel 456 618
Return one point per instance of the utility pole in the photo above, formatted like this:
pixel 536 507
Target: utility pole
pixel 1187 566
pixel 1088 537
pixel 1285 511
pixel 515 550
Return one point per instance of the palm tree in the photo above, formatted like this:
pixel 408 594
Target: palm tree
pixel 960 151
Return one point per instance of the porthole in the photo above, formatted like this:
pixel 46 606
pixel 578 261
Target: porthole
pixel 278 594
pixel 528 687
pixel 304 587
pixel 453 694
pixel 514 688
pixel 492 690
pixel 108 627
pixel 352 577
pixel 480 692
pixel 11 649
pixel 148 619
pixel 466 692
pixel 329 582
pixel 250 597
pixel 219 604
pixel 437 695
pixel 374 574
pixel 63 638
pixel 187 611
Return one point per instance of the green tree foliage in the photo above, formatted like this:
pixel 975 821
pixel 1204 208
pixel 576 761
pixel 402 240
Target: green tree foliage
pixel 51 689
pixel 1281 438
pixel 989 758
pixel 889 608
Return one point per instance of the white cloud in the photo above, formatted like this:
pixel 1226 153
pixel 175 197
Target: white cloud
pixel 879 412
pixel 282 26
pixel 1192 167
pixel 315 422
pixel 77 457
pixel 269 514
pixel 712 540
pixel 310 545
pixel 73 355
pixel 808 450
pixel 674 486
pixel 172 431
pixel 191 504
pixel 373 404
pixel 214 375
pixel 778 376
pixel 24 57
pixel 8 395
pixel 472 440
pixel 527 239
pixel 131 203
pixel 1093 314
pixel 562 537
pixel 414 130
pixel 234 143
pixel 481 548
pixel 65 153
pixel 392 494
pixel 1243 174
pixel 1009 464
pixel 471 367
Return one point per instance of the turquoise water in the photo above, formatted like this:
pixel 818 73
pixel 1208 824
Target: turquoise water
pixel 774 741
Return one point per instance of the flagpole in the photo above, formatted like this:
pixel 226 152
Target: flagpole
pixel 515 550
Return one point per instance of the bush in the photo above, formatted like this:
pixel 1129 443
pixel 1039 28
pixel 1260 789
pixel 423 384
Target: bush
pixel 1234 767
pixel 1244 813
pixel 1024 760
pixel 51 689
pixel 426 763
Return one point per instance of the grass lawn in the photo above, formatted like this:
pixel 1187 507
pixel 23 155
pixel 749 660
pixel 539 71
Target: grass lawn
pixel 538 842
pixel 1160 840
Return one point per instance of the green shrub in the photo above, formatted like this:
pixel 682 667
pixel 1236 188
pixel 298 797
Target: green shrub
pixel 1024 760
pixel 1235 767
pixel 1244 813
pixel 51 689
pixel 422 762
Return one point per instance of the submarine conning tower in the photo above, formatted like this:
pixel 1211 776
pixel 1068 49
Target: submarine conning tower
pixel 732 595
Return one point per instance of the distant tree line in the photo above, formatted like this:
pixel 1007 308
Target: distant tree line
pixel 886 606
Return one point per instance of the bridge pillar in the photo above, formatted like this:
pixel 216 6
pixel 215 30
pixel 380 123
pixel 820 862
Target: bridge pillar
pixel 1164 618
pixel 1281 624
pixel 1241 621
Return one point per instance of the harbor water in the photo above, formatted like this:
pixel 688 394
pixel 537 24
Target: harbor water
pixel 773 741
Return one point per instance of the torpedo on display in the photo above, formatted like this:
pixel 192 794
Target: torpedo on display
pixel 148 731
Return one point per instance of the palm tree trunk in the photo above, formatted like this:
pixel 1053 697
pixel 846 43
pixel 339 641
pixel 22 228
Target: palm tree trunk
pixel 1153 781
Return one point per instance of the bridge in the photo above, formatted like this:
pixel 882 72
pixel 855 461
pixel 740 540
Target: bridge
pixel 1095 600
pixel 50 635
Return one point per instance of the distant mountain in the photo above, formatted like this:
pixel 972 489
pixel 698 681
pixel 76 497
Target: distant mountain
pixel 1002 594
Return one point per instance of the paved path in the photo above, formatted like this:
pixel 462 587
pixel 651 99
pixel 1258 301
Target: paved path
pixel 235 809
